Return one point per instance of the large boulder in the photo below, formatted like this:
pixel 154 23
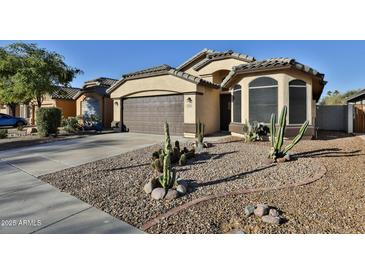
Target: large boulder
pixel 158 193
pixel 181 189
pixel 271 219
pixel 261 210
pixel 249 210
pixel 150 186
pixel 171 194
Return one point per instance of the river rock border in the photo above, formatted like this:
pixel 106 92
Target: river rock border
pixel 307 180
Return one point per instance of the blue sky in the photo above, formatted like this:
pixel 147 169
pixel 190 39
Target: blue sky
pixel 343 62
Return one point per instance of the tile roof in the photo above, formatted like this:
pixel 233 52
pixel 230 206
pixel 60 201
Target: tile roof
pixel 271 64
pixel 161 70
pixel 196 56
pixel 223 55
pixel 66 93
pixel 101 81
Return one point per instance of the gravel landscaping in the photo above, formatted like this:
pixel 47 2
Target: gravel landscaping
pixel 115 186
pixel 333 204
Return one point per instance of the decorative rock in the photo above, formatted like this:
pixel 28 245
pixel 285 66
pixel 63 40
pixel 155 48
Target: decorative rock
pixel 183 183
pixel 171 194
pixel 31 130
pixel 150 186
pixel 249 210
pixel 287 157
pixel 261 210
pixel 181 189
pixel 280 160
pixel 273 212
pixel 271 220
pixel 158 193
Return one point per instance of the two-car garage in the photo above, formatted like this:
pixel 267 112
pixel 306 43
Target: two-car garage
pixel 148 114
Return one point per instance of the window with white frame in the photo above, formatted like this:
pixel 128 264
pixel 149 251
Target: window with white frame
pixel 263 99
pixel 297 102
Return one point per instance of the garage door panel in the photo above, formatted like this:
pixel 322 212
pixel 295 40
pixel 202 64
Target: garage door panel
pixel 148 114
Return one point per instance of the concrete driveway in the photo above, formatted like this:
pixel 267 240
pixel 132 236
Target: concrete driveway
pixel 47 158
pixel 28 205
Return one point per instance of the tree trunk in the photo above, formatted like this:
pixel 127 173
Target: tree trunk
pixel 39 102
pixel 12 108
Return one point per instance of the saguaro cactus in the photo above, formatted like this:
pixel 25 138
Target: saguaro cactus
pixel 168 178
pixel 277 136
pixel 200 134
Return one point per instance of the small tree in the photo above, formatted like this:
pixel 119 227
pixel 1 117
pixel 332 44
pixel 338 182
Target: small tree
pixel 30 73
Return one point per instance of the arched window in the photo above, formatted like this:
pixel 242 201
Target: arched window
pixel 263 99
pixel 237 99
pixel 297 102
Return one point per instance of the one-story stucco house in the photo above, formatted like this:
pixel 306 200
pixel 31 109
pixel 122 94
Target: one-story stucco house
pixel 221 90
pixel 61 98
pixel 92 99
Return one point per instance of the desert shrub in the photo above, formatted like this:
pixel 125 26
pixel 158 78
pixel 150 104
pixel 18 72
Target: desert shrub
pixel 71 125
pixel 3 133
pixel 48 120
pixel 254 131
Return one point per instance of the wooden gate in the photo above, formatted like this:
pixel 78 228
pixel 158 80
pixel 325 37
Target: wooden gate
pixel 359 118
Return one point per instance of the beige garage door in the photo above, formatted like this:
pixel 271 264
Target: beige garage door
pixel 148 114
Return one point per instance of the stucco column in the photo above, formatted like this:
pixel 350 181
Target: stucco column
pixel 350 119
pixel 283 94
pixel 190 102
pixel 309 103
pixel 245 102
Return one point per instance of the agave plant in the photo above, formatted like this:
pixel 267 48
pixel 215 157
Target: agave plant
pixel 277 135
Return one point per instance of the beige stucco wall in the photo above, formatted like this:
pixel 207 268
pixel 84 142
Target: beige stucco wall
pixel 216 65
pixel 158 85
pixel 117 104
pixel 208 110
pixel 283 79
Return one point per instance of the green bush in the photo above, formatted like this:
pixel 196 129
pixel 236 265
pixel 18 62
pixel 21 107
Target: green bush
pixel 71 125
pixel 3 133
pixel 48 120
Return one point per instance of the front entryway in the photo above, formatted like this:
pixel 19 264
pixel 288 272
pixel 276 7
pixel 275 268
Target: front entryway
pixel 148 114
pixel 359 118
pixel 225 111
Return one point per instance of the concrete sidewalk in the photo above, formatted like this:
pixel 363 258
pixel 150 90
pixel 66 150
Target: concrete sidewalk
pixel 28 205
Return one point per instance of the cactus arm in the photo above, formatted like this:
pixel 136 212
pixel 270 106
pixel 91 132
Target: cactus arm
pixel 272 129
pixel 167 138
pixel 297 138
pixel 280 134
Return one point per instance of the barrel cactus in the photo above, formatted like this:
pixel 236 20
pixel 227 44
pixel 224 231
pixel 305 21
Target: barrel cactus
pixel 277 135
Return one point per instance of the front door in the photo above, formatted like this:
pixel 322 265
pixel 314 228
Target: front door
pixel 225 111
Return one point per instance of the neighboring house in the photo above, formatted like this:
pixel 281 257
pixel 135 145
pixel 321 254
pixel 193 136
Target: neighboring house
pixel 221 90
pixel 92 99
pixel 62 98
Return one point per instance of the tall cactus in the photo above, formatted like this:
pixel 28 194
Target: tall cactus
pixel 168 178
pixel 277 137
pixel 200 132
pixel 167 138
